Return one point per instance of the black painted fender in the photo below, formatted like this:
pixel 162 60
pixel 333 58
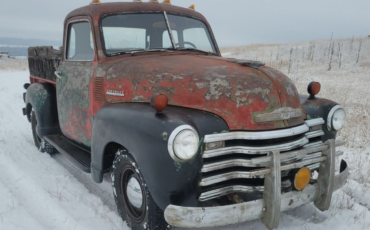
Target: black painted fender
pixel 319 107
pixel 144 133
pixel 41 97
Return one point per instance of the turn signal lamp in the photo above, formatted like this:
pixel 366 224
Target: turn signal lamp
pixel 192 7
pixel 159 102
pixel 314 88
pixel 167 1
pixel 302 178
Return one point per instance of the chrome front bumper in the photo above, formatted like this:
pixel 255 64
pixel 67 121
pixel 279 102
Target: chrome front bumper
pixel 273 202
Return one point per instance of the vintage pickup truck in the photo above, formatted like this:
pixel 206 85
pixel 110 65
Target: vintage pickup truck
pixel 191 139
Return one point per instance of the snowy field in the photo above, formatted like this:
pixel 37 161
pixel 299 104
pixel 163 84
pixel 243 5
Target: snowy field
pixel 40 192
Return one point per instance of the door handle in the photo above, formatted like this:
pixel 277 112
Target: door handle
pixel 58 73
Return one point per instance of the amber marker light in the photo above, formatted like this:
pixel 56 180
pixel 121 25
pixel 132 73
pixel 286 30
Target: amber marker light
pixel 302 178
pixel 95 1
pixel 192 7
pixel 154 1
pixel 314 88
pixel 159 102
pixel 167 1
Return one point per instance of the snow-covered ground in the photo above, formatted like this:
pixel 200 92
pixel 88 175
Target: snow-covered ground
pixel 40 192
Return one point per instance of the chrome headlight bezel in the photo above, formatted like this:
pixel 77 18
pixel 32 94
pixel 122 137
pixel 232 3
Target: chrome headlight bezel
pixel 171 142
pixel 331 117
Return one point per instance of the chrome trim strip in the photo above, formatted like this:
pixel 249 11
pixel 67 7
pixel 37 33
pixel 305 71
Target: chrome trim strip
pixel 263 135
pixel 331 114
pixel 339 143
pixel 314 166
pixel 234 175
pixel 250 189
pixel 259 173
pixel 302 163
pixel 305 154
pixel 228 190
pixel 202 217
pixel 255 150
pixel 314 122
pixel 313 134
pixel 255 162
pixel 313 144
pixel 58 73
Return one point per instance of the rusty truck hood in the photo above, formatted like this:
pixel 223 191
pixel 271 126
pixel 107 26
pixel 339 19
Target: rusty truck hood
pixel 235 92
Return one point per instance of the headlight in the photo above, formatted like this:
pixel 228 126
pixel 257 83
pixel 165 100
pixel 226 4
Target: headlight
pixel 183 143
pixel 336 118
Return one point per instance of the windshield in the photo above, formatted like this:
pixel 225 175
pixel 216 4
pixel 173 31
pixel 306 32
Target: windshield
pixel 126 33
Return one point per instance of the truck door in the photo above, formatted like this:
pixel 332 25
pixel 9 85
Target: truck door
pixel 75 80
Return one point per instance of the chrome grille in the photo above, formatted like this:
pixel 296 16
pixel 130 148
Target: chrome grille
pixel 242 164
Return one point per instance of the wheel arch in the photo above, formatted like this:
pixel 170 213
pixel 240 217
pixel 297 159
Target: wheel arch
pixel 41 98
pixel 144 134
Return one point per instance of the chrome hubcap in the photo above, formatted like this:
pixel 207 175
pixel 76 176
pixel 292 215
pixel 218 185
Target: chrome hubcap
pixel 134 193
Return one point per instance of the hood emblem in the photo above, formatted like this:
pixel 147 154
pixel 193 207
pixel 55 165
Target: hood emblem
pixel 115 93
pixel 279 115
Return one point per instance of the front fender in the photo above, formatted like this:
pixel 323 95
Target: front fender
pixel 41 97
pixel 144 133
pixel 319 107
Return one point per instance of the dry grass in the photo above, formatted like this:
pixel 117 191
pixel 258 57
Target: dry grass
pixel 343 69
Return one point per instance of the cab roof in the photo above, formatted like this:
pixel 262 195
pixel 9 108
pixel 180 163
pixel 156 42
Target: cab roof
pixel 101 9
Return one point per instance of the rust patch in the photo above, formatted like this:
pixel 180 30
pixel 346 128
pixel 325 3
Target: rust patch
pixel 230 90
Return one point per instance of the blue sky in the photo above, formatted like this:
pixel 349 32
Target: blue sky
pixel 234 22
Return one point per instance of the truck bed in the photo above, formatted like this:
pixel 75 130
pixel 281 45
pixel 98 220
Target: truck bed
pixel 43 61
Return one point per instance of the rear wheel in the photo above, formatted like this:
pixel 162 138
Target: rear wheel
pixel 40 143
pixel 134 201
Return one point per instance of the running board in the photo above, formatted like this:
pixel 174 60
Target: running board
pixel 81 158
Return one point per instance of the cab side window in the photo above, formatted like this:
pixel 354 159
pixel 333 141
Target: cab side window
pixel 80 43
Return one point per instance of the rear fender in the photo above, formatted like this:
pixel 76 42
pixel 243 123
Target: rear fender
pixel 41 98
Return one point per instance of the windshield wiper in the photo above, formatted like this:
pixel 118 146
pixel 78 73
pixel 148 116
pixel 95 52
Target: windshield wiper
pixel 150 50
pixel 197 50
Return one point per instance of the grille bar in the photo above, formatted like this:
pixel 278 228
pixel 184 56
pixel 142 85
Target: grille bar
pixel 259 173
pixel 263 135
pixel 256 150
pixel 232 169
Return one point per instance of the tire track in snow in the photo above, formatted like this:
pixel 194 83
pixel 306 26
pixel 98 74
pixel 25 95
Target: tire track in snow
pixel 34 198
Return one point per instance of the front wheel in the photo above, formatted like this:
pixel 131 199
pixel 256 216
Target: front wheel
pixel 134 201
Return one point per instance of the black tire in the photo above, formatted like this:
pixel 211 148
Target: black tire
pixel 42 145
pixel 149 216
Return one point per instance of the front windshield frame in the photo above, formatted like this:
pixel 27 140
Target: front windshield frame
pixel 164 13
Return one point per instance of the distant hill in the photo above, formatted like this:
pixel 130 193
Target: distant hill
pixel 28 42
pixel 19 46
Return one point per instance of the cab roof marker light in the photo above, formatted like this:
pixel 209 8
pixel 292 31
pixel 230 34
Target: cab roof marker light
pixel 95 2
pixel 167 2
pixel 154 1
pixel 192 7
pixel 137 1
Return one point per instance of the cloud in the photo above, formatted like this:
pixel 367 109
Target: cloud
pixel 236 22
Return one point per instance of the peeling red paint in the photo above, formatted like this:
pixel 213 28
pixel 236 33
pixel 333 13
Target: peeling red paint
pixel 232 91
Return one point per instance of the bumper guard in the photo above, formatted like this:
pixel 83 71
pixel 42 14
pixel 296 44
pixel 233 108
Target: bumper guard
pixel 273 203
